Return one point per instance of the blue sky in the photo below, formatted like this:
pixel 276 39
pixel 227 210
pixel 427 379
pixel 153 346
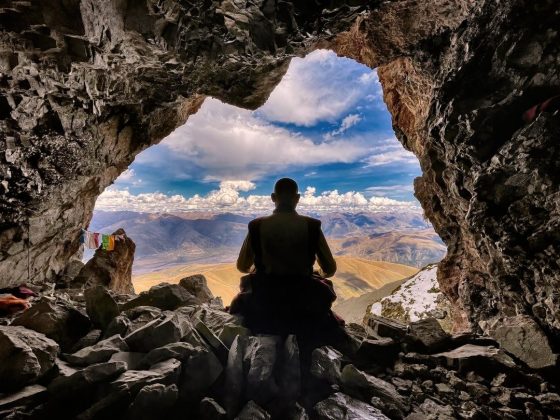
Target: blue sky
pixel 325 125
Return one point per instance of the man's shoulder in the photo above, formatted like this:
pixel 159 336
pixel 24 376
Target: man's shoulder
pixel 311 220
pixel 257 221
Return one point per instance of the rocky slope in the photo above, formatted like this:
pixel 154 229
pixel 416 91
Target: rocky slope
pixel 86 85
pixel 173 352
pixel 418 297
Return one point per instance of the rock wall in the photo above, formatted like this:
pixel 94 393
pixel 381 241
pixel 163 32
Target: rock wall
pixel 87 85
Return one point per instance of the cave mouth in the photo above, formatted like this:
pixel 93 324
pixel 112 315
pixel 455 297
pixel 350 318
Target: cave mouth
pixel 187 200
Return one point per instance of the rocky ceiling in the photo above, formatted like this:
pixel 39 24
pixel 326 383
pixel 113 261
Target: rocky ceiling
pixel 86 85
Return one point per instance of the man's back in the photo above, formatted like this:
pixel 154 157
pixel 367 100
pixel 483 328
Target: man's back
pixel 286 245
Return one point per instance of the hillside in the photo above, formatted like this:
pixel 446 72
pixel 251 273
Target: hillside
pixel 417 248
pixel 355 277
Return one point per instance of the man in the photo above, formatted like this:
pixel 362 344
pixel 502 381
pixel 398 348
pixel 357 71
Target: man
pixel 282 294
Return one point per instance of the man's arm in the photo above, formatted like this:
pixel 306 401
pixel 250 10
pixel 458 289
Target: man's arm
pixel 246 258
pixel 325 258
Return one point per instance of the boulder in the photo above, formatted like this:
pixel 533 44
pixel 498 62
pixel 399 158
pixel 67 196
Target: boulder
pixel 259 361
pixel 133 360
pixel 485 360
pixel 120 325
pixel 289 371
pixel 112 269
pixel 132 381
pixel 213 342
pixel 164 296
pixel 235 376
pixel 200 371
pixel 87 340
pixel 214 319
pixel 197 286
pixel 25 356
pixel 141 315
pixel 384 327
pixel 98 353
pixel 252 411
pixel 58 321
pixel 169 328
pixel 80 384
pixel 30 395
pixel 382 351
pixel 179 351
pixel 340 406
pixel 326 364
pixel 100 306
pixel 152 402
pixel 230 331
pixel 521 336
pixel 360 385
pixel 428 334
pixel 169 369
pixel 69 273
pixel 209 409
pixel 430 410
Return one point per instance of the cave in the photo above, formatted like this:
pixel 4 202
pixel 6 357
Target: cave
pixel 86 85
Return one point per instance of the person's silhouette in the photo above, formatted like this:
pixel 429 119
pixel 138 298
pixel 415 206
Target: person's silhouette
pixel 282 294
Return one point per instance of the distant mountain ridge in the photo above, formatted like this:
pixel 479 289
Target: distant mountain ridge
pixel 169 239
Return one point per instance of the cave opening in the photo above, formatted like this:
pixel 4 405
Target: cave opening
pixel 186 201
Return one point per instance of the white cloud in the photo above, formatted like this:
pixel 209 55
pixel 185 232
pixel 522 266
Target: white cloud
pixel 319 87
pixel 128 177
pixel 390 152
pixel 228 198
pixel 232 143
pixel 347 122
pixel 390 189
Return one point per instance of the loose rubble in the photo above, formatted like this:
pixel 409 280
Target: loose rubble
pixel 159 362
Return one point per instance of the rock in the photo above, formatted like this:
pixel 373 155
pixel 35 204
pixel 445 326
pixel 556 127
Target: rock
pixel 252 411
pixel 132 381
pixel 209 409
pixel 384 327
pixel 298 413
pixel 58 321
pixel 382 351
pixel 112 269
pixel 30 395
pixel 230 331
pixel 169 328
pixel 179 351
pixel 153 401
pixel 326 364
pixel 341 406
pixel 428 334
pixel 64 369
pixel 26 356
pixel 169 369
pixel 80 384
pixel 197 286
pixel 213 342
pixel 235 376
pixel 260 358
pixel 289 371
pixel 214 319
pixel 200 371
pixel 521 336
pixel 133 360
pixel 430 410
pixel 98 353
pixel 120 325
pixel 100 306
pixel 69 273
pixel 483 359
pixel 363 386
pixel 87 340
pixel 164 296
pixel 141 315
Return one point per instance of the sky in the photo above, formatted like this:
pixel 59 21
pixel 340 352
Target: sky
pixel 325 125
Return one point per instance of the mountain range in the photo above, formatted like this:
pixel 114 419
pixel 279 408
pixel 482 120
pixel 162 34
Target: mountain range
pixel 164 240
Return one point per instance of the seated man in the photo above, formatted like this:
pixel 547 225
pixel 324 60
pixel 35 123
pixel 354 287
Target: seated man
pixel 282 294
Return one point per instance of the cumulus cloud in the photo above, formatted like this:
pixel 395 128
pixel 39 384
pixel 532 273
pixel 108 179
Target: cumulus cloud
pixel 228 198
pixel 230 142
pixel 320 87
pixel 128 177
pixel 347 122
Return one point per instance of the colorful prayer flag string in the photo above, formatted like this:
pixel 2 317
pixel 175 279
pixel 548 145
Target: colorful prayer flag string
pixel 94 240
